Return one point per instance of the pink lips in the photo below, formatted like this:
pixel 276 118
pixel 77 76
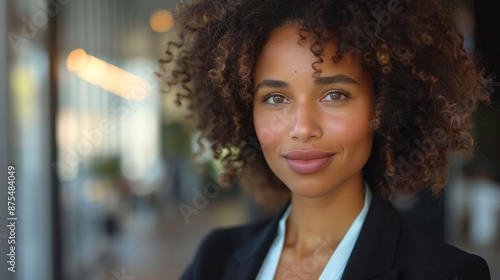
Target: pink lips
pixel 307 161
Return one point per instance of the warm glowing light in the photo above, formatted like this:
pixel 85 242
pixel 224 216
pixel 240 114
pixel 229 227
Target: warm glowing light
pixel 77 59
pixel 161 21
pixel 108 76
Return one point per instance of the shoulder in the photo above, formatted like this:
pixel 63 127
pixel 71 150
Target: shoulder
pixel 218 247
pixel 229 239
pixel 421 257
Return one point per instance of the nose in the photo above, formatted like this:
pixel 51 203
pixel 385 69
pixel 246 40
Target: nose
pixel 305 125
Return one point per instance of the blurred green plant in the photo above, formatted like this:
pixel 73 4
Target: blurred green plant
pixel 176 140
pixel 109 168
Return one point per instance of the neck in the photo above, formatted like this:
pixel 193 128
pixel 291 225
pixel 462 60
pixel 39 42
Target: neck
pixel 324 220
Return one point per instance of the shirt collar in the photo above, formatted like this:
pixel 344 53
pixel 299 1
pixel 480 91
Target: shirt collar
pixel 338 260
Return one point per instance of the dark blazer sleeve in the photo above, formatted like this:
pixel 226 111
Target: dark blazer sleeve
pixel 465 267
pixel 389 248
pixel 231 253
pixel 208 258
pixel 428 258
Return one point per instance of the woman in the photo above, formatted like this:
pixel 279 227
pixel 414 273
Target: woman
pixel 332 107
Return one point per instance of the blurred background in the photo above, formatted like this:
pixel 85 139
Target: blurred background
pixel 105 184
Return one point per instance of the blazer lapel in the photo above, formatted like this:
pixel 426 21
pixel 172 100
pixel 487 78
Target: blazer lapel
pixel 373 254
pixel 246 262
pixel 372 257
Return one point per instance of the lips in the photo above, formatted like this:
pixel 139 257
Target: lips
pixel 307 161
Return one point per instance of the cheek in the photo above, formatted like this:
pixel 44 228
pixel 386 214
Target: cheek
pixel 269 127
pixel 352 132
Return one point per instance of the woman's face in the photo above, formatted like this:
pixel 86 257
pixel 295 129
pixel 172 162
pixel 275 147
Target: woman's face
pixel 314 132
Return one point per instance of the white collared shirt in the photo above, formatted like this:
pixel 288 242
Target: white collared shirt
pixel 338 260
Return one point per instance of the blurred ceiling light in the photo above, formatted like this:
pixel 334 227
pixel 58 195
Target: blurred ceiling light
pixel 77 60
pixel 107 76
pixel 161 21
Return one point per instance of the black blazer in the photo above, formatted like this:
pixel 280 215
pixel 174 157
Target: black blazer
pixel 386 249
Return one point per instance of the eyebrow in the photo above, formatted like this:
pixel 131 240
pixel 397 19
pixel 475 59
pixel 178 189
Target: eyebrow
pixel 343 79
pixel 271 84
pixel 337 79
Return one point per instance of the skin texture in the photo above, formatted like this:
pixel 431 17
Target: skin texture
pixel 299 114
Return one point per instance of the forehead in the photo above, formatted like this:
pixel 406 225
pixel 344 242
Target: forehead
pixel 285 50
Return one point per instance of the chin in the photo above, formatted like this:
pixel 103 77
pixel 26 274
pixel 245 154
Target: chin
pixel 306 188
pixel 309 193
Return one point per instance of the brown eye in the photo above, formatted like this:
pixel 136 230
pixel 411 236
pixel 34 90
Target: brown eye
pixel 275 99
pixel 335 96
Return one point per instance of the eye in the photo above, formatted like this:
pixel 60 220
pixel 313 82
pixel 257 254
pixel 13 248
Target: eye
pixel 335 96
pixel 275 99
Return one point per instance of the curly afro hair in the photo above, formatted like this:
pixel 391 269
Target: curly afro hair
pixel 426 86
